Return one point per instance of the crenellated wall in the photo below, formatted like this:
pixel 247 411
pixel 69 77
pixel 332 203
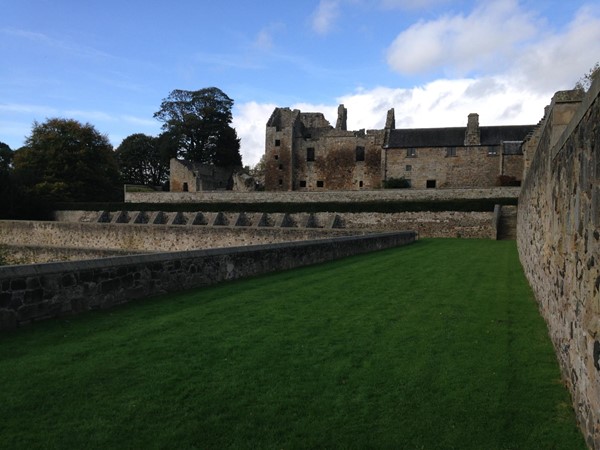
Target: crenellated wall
pixel 559 242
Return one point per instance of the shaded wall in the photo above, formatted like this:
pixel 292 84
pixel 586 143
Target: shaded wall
pixel 559 243
pixel 36 292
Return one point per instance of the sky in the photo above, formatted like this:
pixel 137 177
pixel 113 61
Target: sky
pixel 111 63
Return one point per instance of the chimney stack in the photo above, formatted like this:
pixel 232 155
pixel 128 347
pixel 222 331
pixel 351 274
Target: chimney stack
pixel 472 136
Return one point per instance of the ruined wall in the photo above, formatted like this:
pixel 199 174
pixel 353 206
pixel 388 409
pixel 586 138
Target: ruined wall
pixel 460 167
pixel 336 164
pixel 36 292
pixel 559 243
pixel 304 152
pixel 282 128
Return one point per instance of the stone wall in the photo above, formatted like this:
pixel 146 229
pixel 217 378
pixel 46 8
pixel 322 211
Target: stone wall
pixel 316 197
pixel 446 170
pixel 149 238
pixel 36 292
pixel 559 243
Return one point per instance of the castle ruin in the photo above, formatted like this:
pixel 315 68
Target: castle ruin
pixel 305 153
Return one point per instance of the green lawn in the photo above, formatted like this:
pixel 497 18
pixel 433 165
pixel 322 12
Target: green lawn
pixel 434 345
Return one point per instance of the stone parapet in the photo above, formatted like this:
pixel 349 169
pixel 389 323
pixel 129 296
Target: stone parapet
pixel 36 292
pixel 321 196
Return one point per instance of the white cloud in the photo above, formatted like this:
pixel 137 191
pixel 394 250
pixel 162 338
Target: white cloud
pixel 501 39
pixel 250 120
pixel 441 103
pixel 325 15
pixel 489 36
pixel 410 4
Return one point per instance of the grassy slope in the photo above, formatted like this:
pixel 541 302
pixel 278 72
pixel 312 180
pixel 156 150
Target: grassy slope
pixel 436 345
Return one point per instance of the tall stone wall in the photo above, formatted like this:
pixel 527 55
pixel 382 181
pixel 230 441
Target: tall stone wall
pixel 559 243
pixel 36 292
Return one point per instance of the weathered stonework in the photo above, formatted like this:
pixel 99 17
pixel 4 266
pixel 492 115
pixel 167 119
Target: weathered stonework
pixel 559 242
pixel 36 292
pixel 322 196
pixel 185 176
pixel 305 153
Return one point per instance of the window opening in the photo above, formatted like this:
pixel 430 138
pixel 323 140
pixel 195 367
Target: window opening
pixel 360 153
pixel 310 154
pixel 430 184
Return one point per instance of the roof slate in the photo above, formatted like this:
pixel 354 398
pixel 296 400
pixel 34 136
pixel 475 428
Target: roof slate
pixel 455 137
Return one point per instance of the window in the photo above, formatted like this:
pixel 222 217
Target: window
pixel 280 166
pixel 276 157
pixel 360 184
pixel 277 142
pixel 492 151
pixel 185 187
pixel 280 182
pixel 411 152
pixel 302 183
pixel 430 184
pixel 320 183
pixel 360 153
pixel 308 136
pixel 451 151
pixel 310 154
pixel 408 167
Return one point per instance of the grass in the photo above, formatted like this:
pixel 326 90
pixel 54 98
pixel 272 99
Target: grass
pixel 438 345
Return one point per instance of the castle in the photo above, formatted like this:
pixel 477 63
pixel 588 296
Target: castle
pixel 305 153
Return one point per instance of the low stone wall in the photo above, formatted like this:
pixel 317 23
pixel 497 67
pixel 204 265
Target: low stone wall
pixel 36 292
pixel 312 197
pixel 36 254
pixel 559 245
pixel 150 238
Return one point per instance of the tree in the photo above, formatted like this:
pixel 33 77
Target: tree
pixel 144 159
pixel 586 81
pixel 201 121
pixel 63 160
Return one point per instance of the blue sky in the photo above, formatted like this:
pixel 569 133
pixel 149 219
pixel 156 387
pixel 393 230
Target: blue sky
pixel 110 63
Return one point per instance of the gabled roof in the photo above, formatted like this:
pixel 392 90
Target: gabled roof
pixel 454 137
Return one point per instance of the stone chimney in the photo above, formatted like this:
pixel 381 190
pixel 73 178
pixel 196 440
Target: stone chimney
pixel 472 136
pixel 342 119
pixel 390 121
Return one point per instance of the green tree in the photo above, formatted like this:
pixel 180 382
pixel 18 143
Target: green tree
pixel 144 159
pixel 201 121
pixel 586 81
pixel 64 160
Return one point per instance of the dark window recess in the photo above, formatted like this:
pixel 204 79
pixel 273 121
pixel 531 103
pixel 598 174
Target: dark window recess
pixel 408 167
pixel 280 166
pixel 360 153
pixel 411 152
pixel 308 136
pixel 280 182
pixel 360 184
pixel 430 184
pixel 302 183
pixel 185 187
pixel 277 142
pixel 276 157
pixel 310 154
pixel 320 183
pixel 451 151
